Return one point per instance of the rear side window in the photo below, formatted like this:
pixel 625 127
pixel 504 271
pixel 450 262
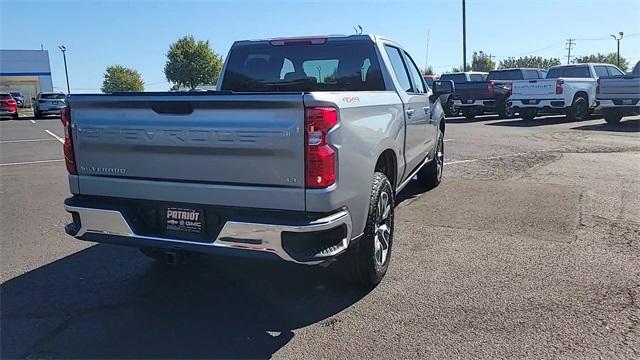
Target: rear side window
pixel 614 71
pixel 577 71
pixel 505 75
pixel 476 77
pixel 601 71
pixel 398 67
pixel 456 78
pixel 337 66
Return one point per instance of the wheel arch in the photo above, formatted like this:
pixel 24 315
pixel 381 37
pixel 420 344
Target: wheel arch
pixel 387 163
pixel 583 94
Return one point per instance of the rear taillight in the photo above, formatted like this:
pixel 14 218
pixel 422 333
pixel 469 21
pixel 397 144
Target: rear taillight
pixel 320 157
pixel 67 147
pixel 490 88
pixel 598 87
pixel 559 86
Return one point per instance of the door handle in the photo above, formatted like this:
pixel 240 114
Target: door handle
pixel 427 110
pixel 410 113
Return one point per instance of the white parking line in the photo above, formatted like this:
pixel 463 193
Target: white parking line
pixel 32 121
pixel 31 162
pixel 445 140
pixel 55 136
pixel 25 140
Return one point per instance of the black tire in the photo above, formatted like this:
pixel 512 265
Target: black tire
pixel 528 114
pixel 469 114
pixel 579 110
pixel 612 116
pixel 430 175
pixel 449 109
pixel 367 260
pixel 16 116
pixel 36 114
pixel 506 111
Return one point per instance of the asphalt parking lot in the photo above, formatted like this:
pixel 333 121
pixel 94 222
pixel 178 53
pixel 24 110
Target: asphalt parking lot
pixel 529 248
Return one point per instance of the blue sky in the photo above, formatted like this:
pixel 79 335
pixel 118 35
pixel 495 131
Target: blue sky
pixel 138 33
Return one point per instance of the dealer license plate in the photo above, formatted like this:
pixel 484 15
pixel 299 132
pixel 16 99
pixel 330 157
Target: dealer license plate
pixel 184 220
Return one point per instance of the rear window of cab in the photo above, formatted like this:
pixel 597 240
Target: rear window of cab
pixel 330 66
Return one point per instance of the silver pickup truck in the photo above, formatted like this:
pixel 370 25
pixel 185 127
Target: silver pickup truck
pixel 298 155
pixel 617 96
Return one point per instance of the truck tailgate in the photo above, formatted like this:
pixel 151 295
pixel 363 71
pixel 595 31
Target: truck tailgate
pixel 531 89
pixel 471 91
pixel 619 86
pixel 234 148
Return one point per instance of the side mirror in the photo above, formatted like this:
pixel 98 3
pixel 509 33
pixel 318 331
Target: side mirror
pixel 33 99
pixel 443 87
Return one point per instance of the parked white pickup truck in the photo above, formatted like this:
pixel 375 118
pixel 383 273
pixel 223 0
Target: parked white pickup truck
pixel 567 89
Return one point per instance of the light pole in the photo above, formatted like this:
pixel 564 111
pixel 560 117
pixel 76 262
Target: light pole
pixel 464 37
pixel 319 73
pixel 617 39
pixel 66 73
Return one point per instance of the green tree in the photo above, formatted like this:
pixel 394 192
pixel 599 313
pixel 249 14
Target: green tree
pixel 482 62
pixel 528 62
pixel 191 63
pixel 611 58
pixel 457 69
pixel 120 78
pixel 427 71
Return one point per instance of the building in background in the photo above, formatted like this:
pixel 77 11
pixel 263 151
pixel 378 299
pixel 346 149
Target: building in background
pixel 26 71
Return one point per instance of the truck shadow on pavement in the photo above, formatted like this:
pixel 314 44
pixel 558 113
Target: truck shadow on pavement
pixel 622 126
pixel 111 302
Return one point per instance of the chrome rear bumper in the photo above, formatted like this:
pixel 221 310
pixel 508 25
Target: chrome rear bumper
pixel 101 224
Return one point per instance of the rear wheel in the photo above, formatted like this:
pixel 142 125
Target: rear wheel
pixel 430 175
pixel 449 109
pixel 36 114
pixel 16 116
pixel 612 116
pixel 506 111
pixel 579 110
pixel 528 114
pixel 368 259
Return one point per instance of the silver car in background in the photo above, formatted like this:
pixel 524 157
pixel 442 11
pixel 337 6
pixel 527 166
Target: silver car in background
pixel 48 103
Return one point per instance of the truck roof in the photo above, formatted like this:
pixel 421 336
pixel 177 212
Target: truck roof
pixel 517 68
pixel 579 64
pixel 319 38
pixel 466 72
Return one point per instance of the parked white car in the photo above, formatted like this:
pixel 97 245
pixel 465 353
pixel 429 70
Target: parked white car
pixel 567 89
